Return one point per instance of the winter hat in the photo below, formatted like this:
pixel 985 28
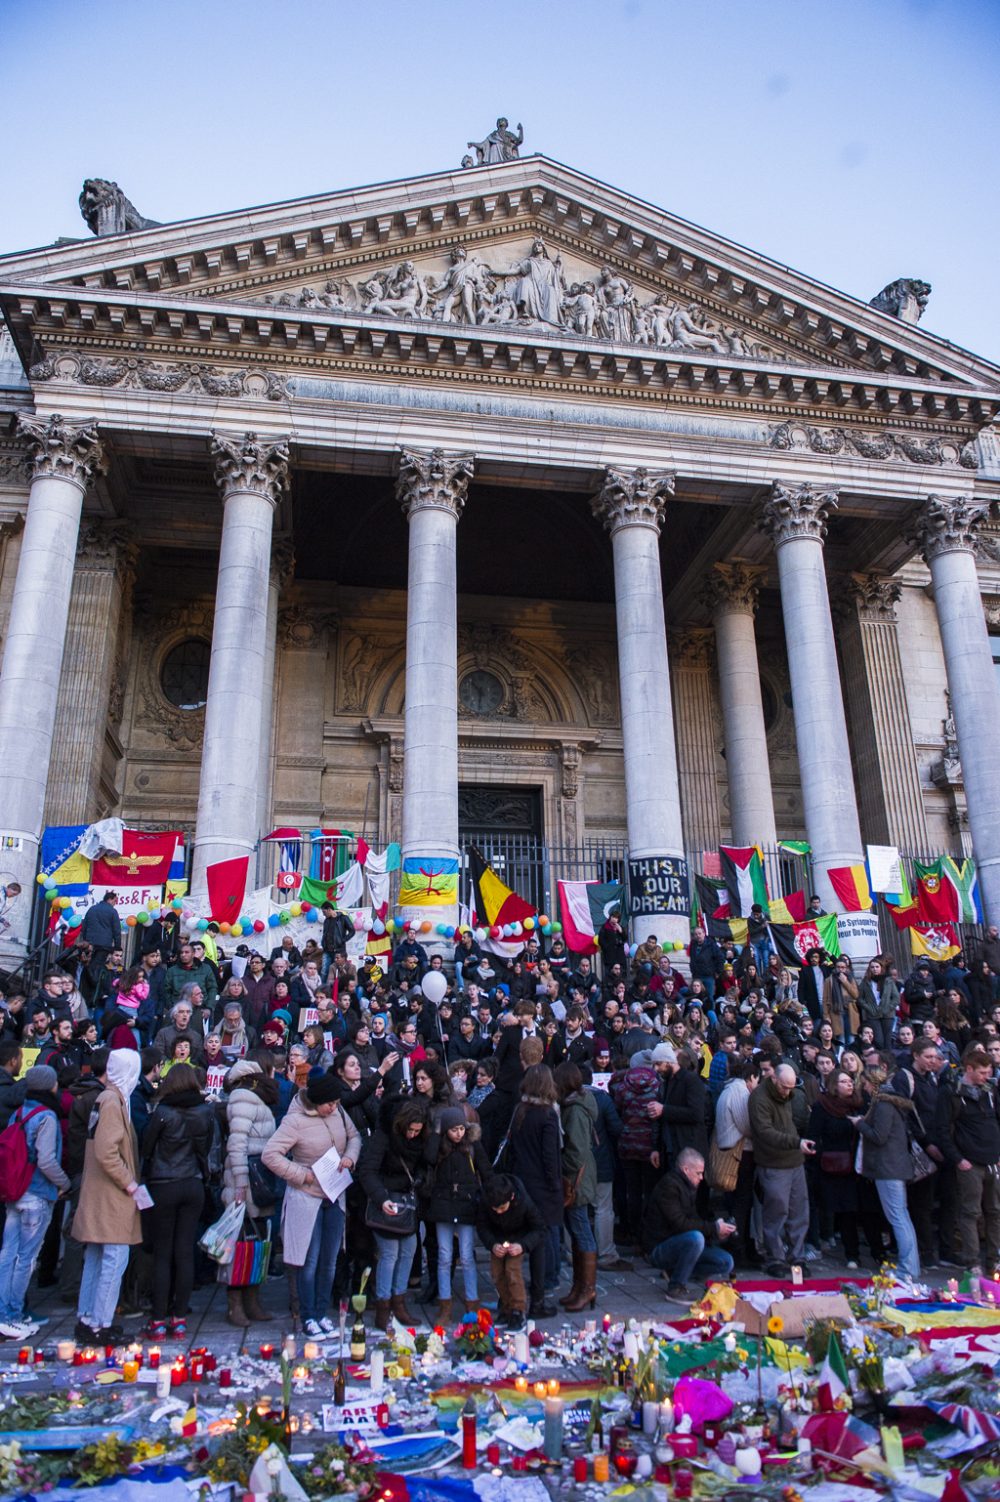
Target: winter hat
pixel 42 1078
pixel 282 1016
pixel 274 1025
pixel 451 1116
pixel 664 1053
pixel 243 1069
pixel 322 1090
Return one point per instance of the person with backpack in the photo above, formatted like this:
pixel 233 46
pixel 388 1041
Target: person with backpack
pixel 31 1180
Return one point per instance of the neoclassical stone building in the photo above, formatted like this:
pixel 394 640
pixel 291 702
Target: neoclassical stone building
pixel 491 498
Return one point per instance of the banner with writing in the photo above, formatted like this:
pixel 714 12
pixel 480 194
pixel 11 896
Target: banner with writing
pixel 658 884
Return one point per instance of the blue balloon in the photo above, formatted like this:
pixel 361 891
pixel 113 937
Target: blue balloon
pixel 449 932
pixel 273 920
pixel 312 916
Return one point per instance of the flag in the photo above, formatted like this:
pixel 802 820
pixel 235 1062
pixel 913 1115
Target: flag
pixel 934 941
pixel 496 904
pixel 227 884
pixel 851 889
pixel 796 847
pixel 983 1428
pixel 428 881
pixel 833 1378
pixel 379 946
pixel 177 882
pixel 902 905
pixel 937 899
pixel 189 1421
pixel 290 852
pixel 584 907
pixel 330 853
pixel 62 865
pixel 345 891
pixel 793 941
pixel 712 900
pixel 965 879
pixel 145 860
pixel 788 909
pixel 743 871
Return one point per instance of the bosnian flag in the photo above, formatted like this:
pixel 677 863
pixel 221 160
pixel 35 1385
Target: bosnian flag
pixel 833 1375
pixel 584 907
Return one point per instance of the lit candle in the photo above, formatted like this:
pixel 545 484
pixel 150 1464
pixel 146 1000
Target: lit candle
pixel 178 1373
pixel 77 1358
pixel 300 1373
pixel 311 1350
pixel 600 1466
pixel 540 1390
pixel 666 1416
pixel 552 1442
pixel 66 1350
pixel 197 1367
pixel 39 1358
pixel 210 1362
pixel 24 1356
pixel 606 1325
pixel 153 1357
pixel 521 1384
pixel 267 1350
pixel 130 1369
pixel 552 1387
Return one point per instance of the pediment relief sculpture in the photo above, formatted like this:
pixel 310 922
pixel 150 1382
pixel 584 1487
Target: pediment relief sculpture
pixel 535 289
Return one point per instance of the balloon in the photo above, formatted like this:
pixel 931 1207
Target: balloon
pixel 480 934
pixel 449 932
pixel 439 929
pixel 434 985
pixel 426 926
pixel 177 904
pixel 312 916
pixel 41 878
pixel 142 917
pixel 495 931
pixel 51 893
pixel 516 930
pixel 378 928
pixel 546 929
pixel 557 928
pixel 507 930
pixel 236 930
pixel 359 922
pixel 64 902
pixel 283 916
pixel 202 925
pixel 528 925
pixel 258 926
pixel 542 920
pixel 306 906
pixel 413 925
pixel 296 910
pixel 130 921
pixel 273 920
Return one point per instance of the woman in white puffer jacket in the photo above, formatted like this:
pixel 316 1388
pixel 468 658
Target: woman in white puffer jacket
pixel 251 1125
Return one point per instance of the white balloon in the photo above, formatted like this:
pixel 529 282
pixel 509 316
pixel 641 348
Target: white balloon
pixel 434 985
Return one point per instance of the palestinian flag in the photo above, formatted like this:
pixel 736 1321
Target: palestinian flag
pixel 495 903
pixel 743 873
pixel 934 941
pixel 965 879
pixel 584 907
pixel 793 941
pixel 937 899
pixel 788 909
pixel 833 1378
pixel 850 885
pixel 712 902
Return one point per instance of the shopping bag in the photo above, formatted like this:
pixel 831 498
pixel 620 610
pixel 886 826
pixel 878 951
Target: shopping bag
pixel 250 1261
pixel 219 1241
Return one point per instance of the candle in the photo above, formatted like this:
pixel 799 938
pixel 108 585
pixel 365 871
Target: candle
pixel 66 1350
pixel 24 1356
pixel 197 1367
pixel 552 1442
pixel 89 1356
pixel 164 1382
pixel 730 1343
pixel 580 1468
pixel 267 1350
pixel 225 1377
pixel 178 1373
pixel 153 1357
pixel 540 1390
pixel 600 1466
pixel 606 1323
pixel 683 1483
pixel 518 1462
pixel 552 1387
pixel 493 1453
pixel 650 1417
pixel 288 1346
pixel 625 1461
pixel 39 1358
pixel 469 1434
pixel 130 1369
pixel 590 1327
pixel 521 1384
pixel 666 1416
pixel 77 1358
pixel 311 1350
pixel 685 1445
pixel 644 1467
pixel 796 1275
pixel 521 1347
pixel 300 1373
pixel 630 1345
pixel 210 1362
pixel 377 1371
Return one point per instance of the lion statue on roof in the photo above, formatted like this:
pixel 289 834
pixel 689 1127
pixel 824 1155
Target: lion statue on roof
pixel 107 210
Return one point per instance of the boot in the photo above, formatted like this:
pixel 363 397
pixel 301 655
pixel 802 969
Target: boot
pixel 574 1291
pixel 442 1314
pixel 400 1313
pixel 586 1293
pixel 253 1306
pixel 382 1314
pixel 235 1314
pixel 470 1305
pixel 541 1310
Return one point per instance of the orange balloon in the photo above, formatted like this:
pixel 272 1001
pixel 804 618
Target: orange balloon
pixel 223 928
pixel 542 920
pixel 426 926
pixel 130 921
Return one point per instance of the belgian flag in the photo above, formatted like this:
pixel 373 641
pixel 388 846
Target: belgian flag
pixel 496 904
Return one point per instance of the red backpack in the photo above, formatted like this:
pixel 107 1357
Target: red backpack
pixel 16 1167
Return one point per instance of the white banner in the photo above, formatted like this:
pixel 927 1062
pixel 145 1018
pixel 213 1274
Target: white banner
pixel 858 935
pixel 885 868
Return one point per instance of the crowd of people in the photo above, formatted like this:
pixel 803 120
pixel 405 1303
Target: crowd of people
pixel 741 1113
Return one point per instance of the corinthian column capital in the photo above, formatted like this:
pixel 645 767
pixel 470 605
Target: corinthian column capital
pixel 796 511
pixel 948 524
pixel 734 586
pixel 633 498
pixel 63 451
pixel 257 465
pixel 875 596
pixel 107 547
pixel 433 480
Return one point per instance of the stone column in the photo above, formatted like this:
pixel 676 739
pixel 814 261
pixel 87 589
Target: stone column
pixel 795 518
pixel 945 531
pixel 697 736
pixel 65 458
pixel 732 592
pixel 889 798
pixel 279 576
pixel 631 506
pixel 105 566
pixel 432 489
pixel 252 475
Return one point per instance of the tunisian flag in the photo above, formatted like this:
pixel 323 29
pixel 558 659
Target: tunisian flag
pixel 227 884
pixel 144 862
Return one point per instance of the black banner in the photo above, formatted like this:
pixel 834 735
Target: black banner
pixel 658 884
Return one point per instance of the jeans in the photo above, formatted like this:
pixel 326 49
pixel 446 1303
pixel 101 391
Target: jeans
pixel 395 1258
pixel 24 1231
pixel 686 1256
pixel 761 953
pixel 177 1207
pixel 578 1225
pixel 892 1193
pixel 315 1276
pixel 466 1236
pixel 103 1270
pixel 786 1211
pixel 604 1223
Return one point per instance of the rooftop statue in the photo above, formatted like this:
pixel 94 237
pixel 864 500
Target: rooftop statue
pixel 904 299
pixel 499 146
pixel 107 210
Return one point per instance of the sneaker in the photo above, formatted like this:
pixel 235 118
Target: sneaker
pixel 84 1334
pixel 777 1269
pixel 679 1293
pixel 811 1254
pixel 156 1331
pixel 313 1329
pixel 515 1320
pixel 34 1319
pixel 13 1329
pixel 328 1326
pixel 178 1329
pixel 852 1267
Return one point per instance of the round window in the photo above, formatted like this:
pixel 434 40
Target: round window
pixel 184 675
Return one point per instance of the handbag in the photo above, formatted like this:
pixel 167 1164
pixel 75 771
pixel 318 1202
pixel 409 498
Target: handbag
pixel 837 1162
pixel 219 1240
pixel 261 1183
pixel 923 1165
pixel 724 1166
pixel 570 1186
pixel 404 1222
pixel 250 1261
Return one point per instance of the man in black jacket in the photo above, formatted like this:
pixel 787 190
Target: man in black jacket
pixel 676 1237
pixel 706 961
pixel 11 1088
pixel 971 1142
pixel 102 930
pixel 337 930
pixel 510 1226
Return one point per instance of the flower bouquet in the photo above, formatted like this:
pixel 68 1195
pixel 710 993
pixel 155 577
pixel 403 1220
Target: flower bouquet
pixel 334 1470
pixel 476 1337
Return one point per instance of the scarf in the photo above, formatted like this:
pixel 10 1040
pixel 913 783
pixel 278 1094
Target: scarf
pixel 836 1105
pixel 479 1094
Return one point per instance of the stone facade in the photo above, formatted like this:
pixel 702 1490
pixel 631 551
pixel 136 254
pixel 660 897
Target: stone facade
pixel 496 478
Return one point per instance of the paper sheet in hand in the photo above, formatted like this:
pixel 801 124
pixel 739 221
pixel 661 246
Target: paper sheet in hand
pixel 332 1179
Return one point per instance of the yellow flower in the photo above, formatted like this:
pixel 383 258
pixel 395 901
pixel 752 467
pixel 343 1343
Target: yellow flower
pixel 775 1325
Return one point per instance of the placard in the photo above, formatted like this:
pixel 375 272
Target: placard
pixel 307 1016
pixel 658 884
pixel 215 1076
pixel 365 1418
pixel 858 935
pixel 600 1081
pixel 885 869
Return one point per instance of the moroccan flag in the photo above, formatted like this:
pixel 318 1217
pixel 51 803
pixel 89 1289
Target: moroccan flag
pixel 495 903
pixel 789 909
pixel 584 907
pixel 227 884
pixel 833 1378
pixel 934 941
pixel 965 879
pixel 850 885
pixel 428 881
pixel 743 873
pixel 793 941
pixel 937 899
pixel 145 860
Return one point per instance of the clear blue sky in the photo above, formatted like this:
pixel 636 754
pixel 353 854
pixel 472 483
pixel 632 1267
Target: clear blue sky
pixel 855 140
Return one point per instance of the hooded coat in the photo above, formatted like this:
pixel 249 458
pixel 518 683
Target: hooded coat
pixel 107 1214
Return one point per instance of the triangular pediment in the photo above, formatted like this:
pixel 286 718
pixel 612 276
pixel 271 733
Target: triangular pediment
pixel 451 255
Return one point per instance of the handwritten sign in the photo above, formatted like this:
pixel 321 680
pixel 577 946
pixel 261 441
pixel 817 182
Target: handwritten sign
pixel 658 884
pixel 365 1418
